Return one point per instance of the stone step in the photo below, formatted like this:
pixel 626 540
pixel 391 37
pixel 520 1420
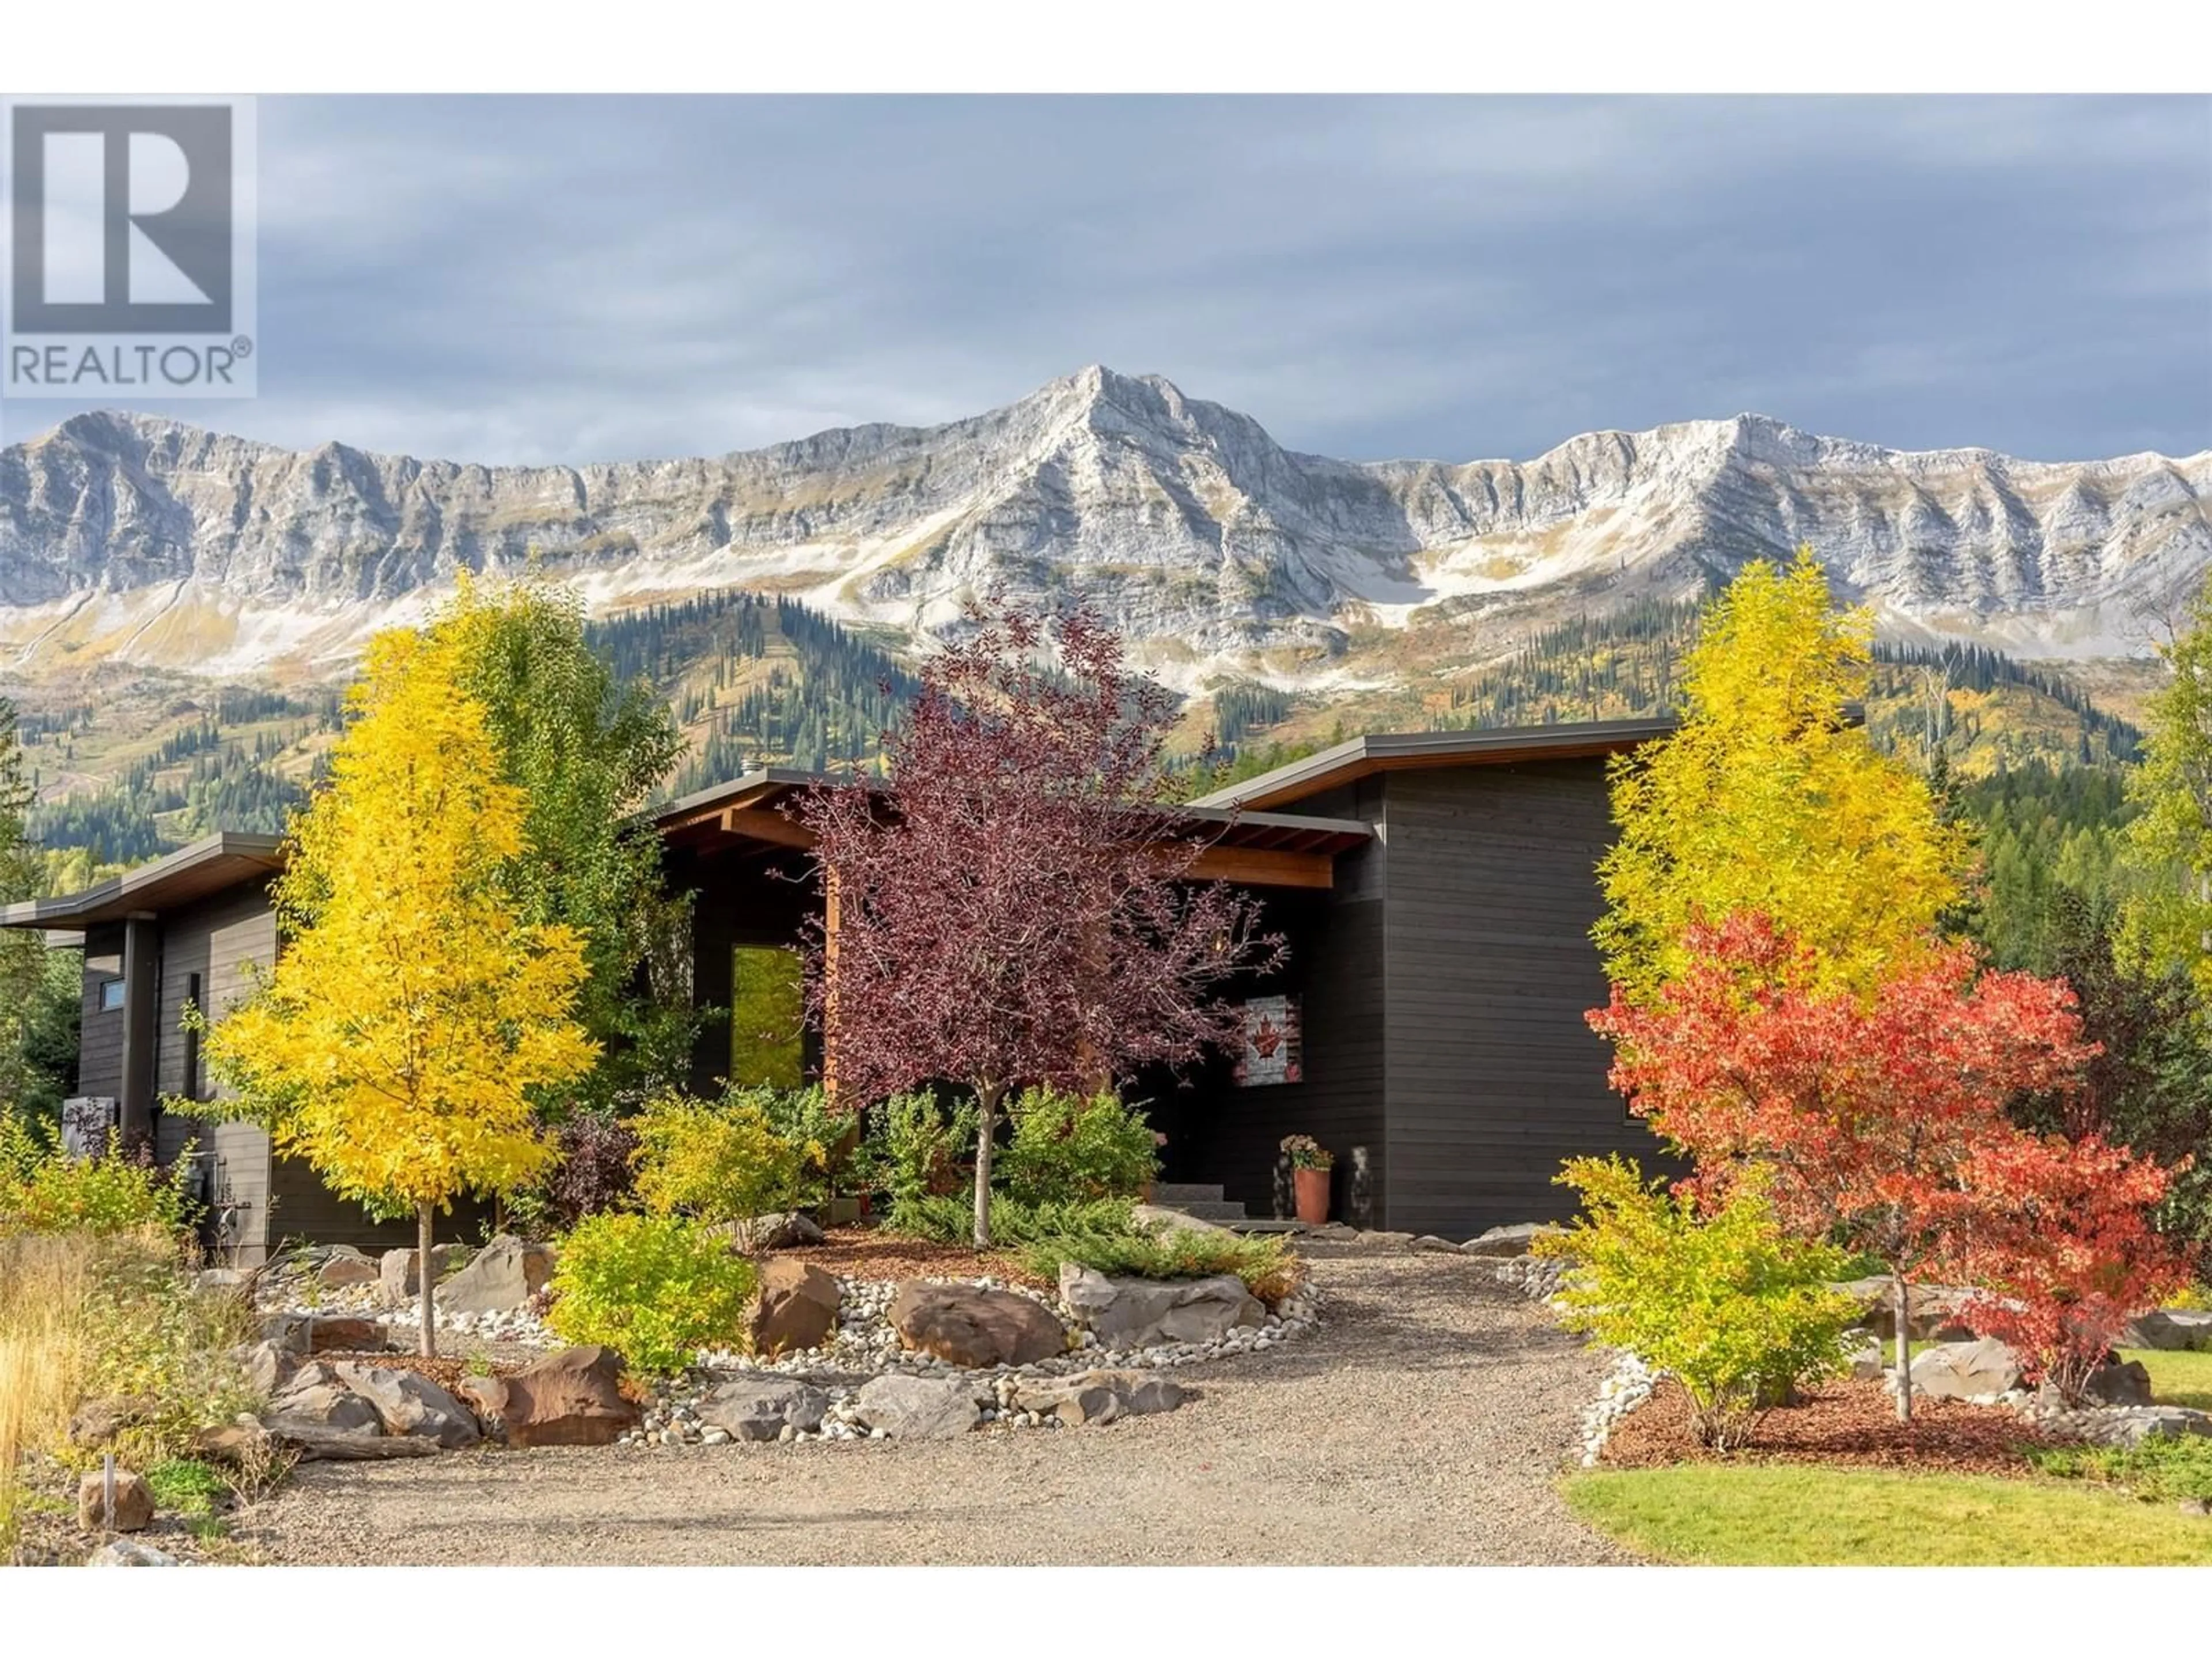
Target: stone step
pixel 1215 1211
pixel 1174 1194
pixel 1263 1224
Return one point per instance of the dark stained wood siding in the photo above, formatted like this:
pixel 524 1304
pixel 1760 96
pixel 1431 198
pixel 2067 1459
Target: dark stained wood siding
pixel 100 1053
pixel 1493 1075
pixel 302 1210
pixel 222 939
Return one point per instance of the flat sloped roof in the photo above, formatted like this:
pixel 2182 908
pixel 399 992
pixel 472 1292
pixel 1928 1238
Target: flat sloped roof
pixel 207 866
pixel 1363 757
pixel 700 817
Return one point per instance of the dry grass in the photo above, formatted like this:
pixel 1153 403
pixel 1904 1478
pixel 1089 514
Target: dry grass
pixel 46 1288
pixel 81 1315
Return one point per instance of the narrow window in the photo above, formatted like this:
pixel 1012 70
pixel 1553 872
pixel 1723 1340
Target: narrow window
pixel 767 1007
pixel 111 995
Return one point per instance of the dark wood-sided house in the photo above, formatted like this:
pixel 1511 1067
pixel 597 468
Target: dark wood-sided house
pixel 1437 890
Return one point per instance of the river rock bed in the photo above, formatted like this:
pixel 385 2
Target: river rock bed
pixel 867 1347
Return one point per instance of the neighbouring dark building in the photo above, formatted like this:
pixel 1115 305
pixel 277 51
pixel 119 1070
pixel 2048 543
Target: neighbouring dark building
pixel 1437 890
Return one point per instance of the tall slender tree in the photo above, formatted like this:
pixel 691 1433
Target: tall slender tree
pixel 1014 908
pixel 395 1044
pixel 585 750
pixel 1770 798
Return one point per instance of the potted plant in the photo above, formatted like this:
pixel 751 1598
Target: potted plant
pixel 1311 1163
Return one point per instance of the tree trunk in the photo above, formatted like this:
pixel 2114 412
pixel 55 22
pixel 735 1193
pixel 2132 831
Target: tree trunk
pixel 987 1112
pixel 1904 1351
pixel 426 1278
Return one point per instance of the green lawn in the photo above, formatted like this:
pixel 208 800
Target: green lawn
pixel 1776 1515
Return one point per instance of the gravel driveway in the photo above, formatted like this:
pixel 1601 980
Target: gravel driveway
pixel 1423 1423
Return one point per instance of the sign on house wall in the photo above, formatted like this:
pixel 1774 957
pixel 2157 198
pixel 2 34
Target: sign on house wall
pixel 1272 1051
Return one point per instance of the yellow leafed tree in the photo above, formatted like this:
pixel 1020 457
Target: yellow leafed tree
pixel 411 1012
pixel 1770 798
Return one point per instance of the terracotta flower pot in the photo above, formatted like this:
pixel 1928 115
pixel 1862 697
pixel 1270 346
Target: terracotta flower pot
pixel 1312 1189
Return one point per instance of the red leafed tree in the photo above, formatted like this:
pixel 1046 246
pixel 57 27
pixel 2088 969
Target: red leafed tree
pixel 2063 1244
pixel 1875 1115
pixel 1013 909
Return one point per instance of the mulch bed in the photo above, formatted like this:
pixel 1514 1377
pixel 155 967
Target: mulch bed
pixel 866 1253
pixel 1849 1424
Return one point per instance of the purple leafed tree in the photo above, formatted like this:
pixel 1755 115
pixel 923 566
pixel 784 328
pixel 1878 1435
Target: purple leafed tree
pixel 1016 907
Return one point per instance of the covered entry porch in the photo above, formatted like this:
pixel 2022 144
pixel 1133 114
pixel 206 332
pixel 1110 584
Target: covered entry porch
pixel 1312 1060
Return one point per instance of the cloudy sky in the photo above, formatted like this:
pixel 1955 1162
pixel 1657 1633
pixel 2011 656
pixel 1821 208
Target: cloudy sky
pixel 542 279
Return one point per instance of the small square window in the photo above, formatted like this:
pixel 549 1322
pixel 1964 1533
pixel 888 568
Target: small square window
pixel 111 995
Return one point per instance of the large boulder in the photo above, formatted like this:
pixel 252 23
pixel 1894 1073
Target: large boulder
pixel 572 1397
pixel 320 1417
pixel 1515 1240
pixel 1965 1370
pixel 134 1502
pixel 798 1307
pixel 970 1325
pixel 1100 1396
pixel 2117 1383
pixel 1936 1310
pixel 242 1441
pixel 505 1274
pixel 754 1406
pixel 345 1266
pixel 410 1403
pixel 396 1276
pixel 917 1408
pixel 318 1402
pixel 129 1553
pixel 267 1366
pixel 2172 1329
pixel 781 1230
pixel 1152 1218
pixel 1142 1313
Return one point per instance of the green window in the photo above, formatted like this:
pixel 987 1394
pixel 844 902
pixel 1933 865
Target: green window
pixel 767 1009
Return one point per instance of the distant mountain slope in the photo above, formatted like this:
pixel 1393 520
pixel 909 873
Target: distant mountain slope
pixel 1220 553
pixel 139 766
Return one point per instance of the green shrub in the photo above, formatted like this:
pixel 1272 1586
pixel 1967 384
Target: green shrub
pixel 1269 1268
pixel 713 1161
pixel 915 1150
pixel 1067 1150
pixel 1738 1311
pixel 824 1141
pixel 656 1289
pixel 950 1219
pixel 2159 1471
pixel 44 1190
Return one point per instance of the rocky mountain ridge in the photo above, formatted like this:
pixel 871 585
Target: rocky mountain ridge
pixel 1222 554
